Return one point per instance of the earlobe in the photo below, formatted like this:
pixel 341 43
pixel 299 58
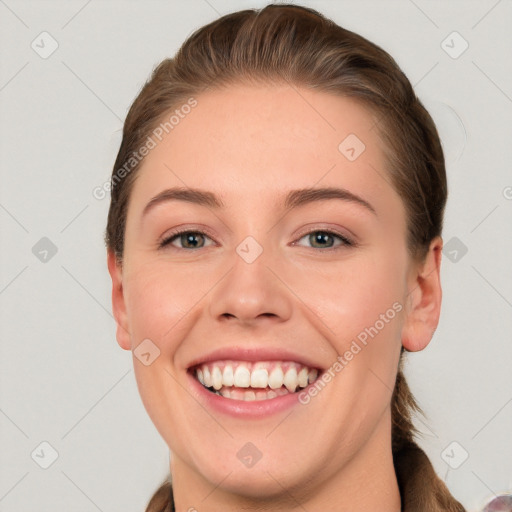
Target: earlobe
pixel 118 301
pixel 423 300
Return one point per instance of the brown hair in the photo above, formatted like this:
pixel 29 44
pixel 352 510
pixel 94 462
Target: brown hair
pixel 297 45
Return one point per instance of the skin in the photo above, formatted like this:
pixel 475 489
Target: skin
pixel 250 145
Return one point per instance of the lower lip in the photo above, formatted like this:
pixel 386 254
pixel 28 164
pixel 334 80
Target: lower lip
pixel 242 408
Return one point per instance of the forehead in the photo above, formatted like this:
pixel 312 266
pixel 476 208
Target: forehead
pixel 260 141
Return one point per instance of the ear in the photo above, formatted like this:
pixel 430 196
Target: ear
pixel 118 302
pixel 423 304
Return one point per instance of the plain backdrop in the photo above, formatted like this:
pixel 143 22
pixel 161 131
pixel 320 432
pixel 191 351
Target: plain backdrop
pixel 69 71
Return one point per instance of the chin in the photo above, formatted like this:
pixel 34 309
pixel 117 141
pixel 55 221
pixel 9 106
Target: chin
pixel 256 483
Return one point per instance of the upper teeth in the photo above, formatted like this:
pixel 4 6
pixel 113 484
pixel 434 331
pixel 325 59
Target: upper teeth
pixel 272 374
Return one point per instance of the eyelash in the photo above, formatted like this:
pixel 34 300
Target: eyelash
pixel 345 242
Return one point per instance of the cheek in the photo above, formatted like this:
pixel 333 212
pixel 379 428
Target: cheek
pixel 159 301
pixel 361 307
pixel 354 295
pixel 160 298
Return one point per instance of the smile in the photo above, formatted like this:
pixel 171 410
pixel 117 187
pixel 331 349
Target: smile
pixel 254 381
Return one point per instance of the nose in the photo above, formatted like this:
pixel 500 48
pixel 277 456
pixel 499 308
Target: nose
pixel 251 293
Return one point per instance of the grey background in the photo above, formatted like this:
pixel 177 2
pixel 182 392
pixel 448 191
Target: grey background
pixel 64 379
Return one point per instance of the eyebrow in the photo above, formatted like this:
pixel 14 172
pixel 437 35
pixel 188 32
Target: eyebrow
pixel 293 199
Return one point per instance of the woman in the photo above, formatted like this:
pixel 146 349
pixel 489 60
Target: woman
pixel 274 242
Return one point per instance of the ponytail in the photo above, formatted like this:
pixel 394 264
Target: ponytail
pixel 421 489
pixel 162 500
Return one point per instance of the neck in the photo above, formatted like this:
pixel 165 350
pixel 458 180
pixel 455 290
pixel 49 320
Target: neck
pixel 366 482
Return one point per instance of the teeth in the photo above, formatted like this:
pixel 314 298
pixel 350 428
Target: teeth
pixel 290 380
pixel 242 377
pixel 249 396
pixel 266 379
pixel 207 377
pixel 216 378
pixel 228 378
pixel 225 393
pixel 303 378
pixel 259 378
pixel 276 378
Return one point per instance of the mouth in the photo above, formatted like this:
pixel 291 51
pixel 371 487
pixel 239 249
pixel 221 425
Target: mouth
pixel 253 381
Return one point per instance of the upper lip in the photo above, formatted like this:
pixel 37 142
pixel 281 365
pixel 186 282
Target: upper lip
pixel 253 355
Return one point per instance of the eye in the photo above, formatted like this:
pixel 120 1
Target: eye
pixel 187 239
pixel 325 239
pixel 319 239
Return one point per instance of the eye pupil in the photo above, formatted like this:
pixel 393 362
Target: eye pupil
pixel 189 238
pixel 321 237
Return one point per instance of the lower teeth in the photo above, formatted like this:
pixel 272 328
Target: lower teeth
pixel 250 394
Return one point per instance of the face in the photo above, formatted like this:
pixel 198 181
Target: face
pixel 288 302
